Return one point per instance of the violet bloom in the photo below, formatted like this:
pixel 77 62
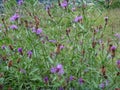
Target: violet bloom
pixel 14 27
pixel 78 19
pixel 113 48
pixel 117 35
pixel 118 62
pixel 20 2
pixel 23 71
pixel 58 69
pixel 3 47
pixel 37 31
pixel 71 78
pixel 20 51
pixel 102 85
pixel 46 79
pixel 0 25
pixel 29 53
pixel 53 41
pixel 81 81
pixel 61 47
pixel 73 9
pixel 15 17
pixel 53 70
pixel 64 4
pixel 61 88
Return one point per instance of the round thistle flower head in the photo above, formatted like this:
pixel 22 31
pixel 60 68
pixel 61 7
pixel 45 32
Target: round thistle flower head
pixel 71 78
pixel 3 47
pixel 14 27
pixel 46 79
pixel 64 4
pixel 58 69
pixel 113 48
pixel 102 85
pixel 29 53
pixel 20 2
pixel 81 81
pixel 118 62
pixel 38 31
pixel 15 17
pixel 20 50
pixel 78 18
pixel 117 35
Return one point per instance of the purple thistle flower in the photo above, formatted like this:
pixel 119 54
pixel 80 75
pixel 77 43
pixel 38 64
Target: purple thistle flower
pixel 3 47
pixel 15 17
pixel 64 4
pixel 20 51
pixel 113 48
pixel 14 27
pixel 73 9
pixel 71 78
pixel 102 85
pixel 39 30
pixel 118 62
pixel 46 79
pixel 29 53
pixel 61 47
pixel 20 2
pixel 58 69
pixel 0 25
pixel 53 70
pixel 53 41
pixel 61 88
pixel 78 18
pixel 117 35
pixel 81 81
pixel 23 71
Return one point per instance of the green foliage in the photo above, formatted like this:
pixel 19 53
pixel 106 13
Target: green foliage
pixel 85 48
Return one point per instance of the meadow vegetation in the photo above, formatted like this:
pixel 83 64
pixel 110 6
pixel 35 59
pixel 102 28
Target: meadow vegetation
pixel 62 47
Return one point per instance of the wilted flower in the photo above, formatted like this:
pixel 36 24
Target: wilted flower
pixel 14 27
pixel 106 20
pixel 29 53
pixel 15 17
pixel 81 81
pixel 58 69
pixel 78 19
